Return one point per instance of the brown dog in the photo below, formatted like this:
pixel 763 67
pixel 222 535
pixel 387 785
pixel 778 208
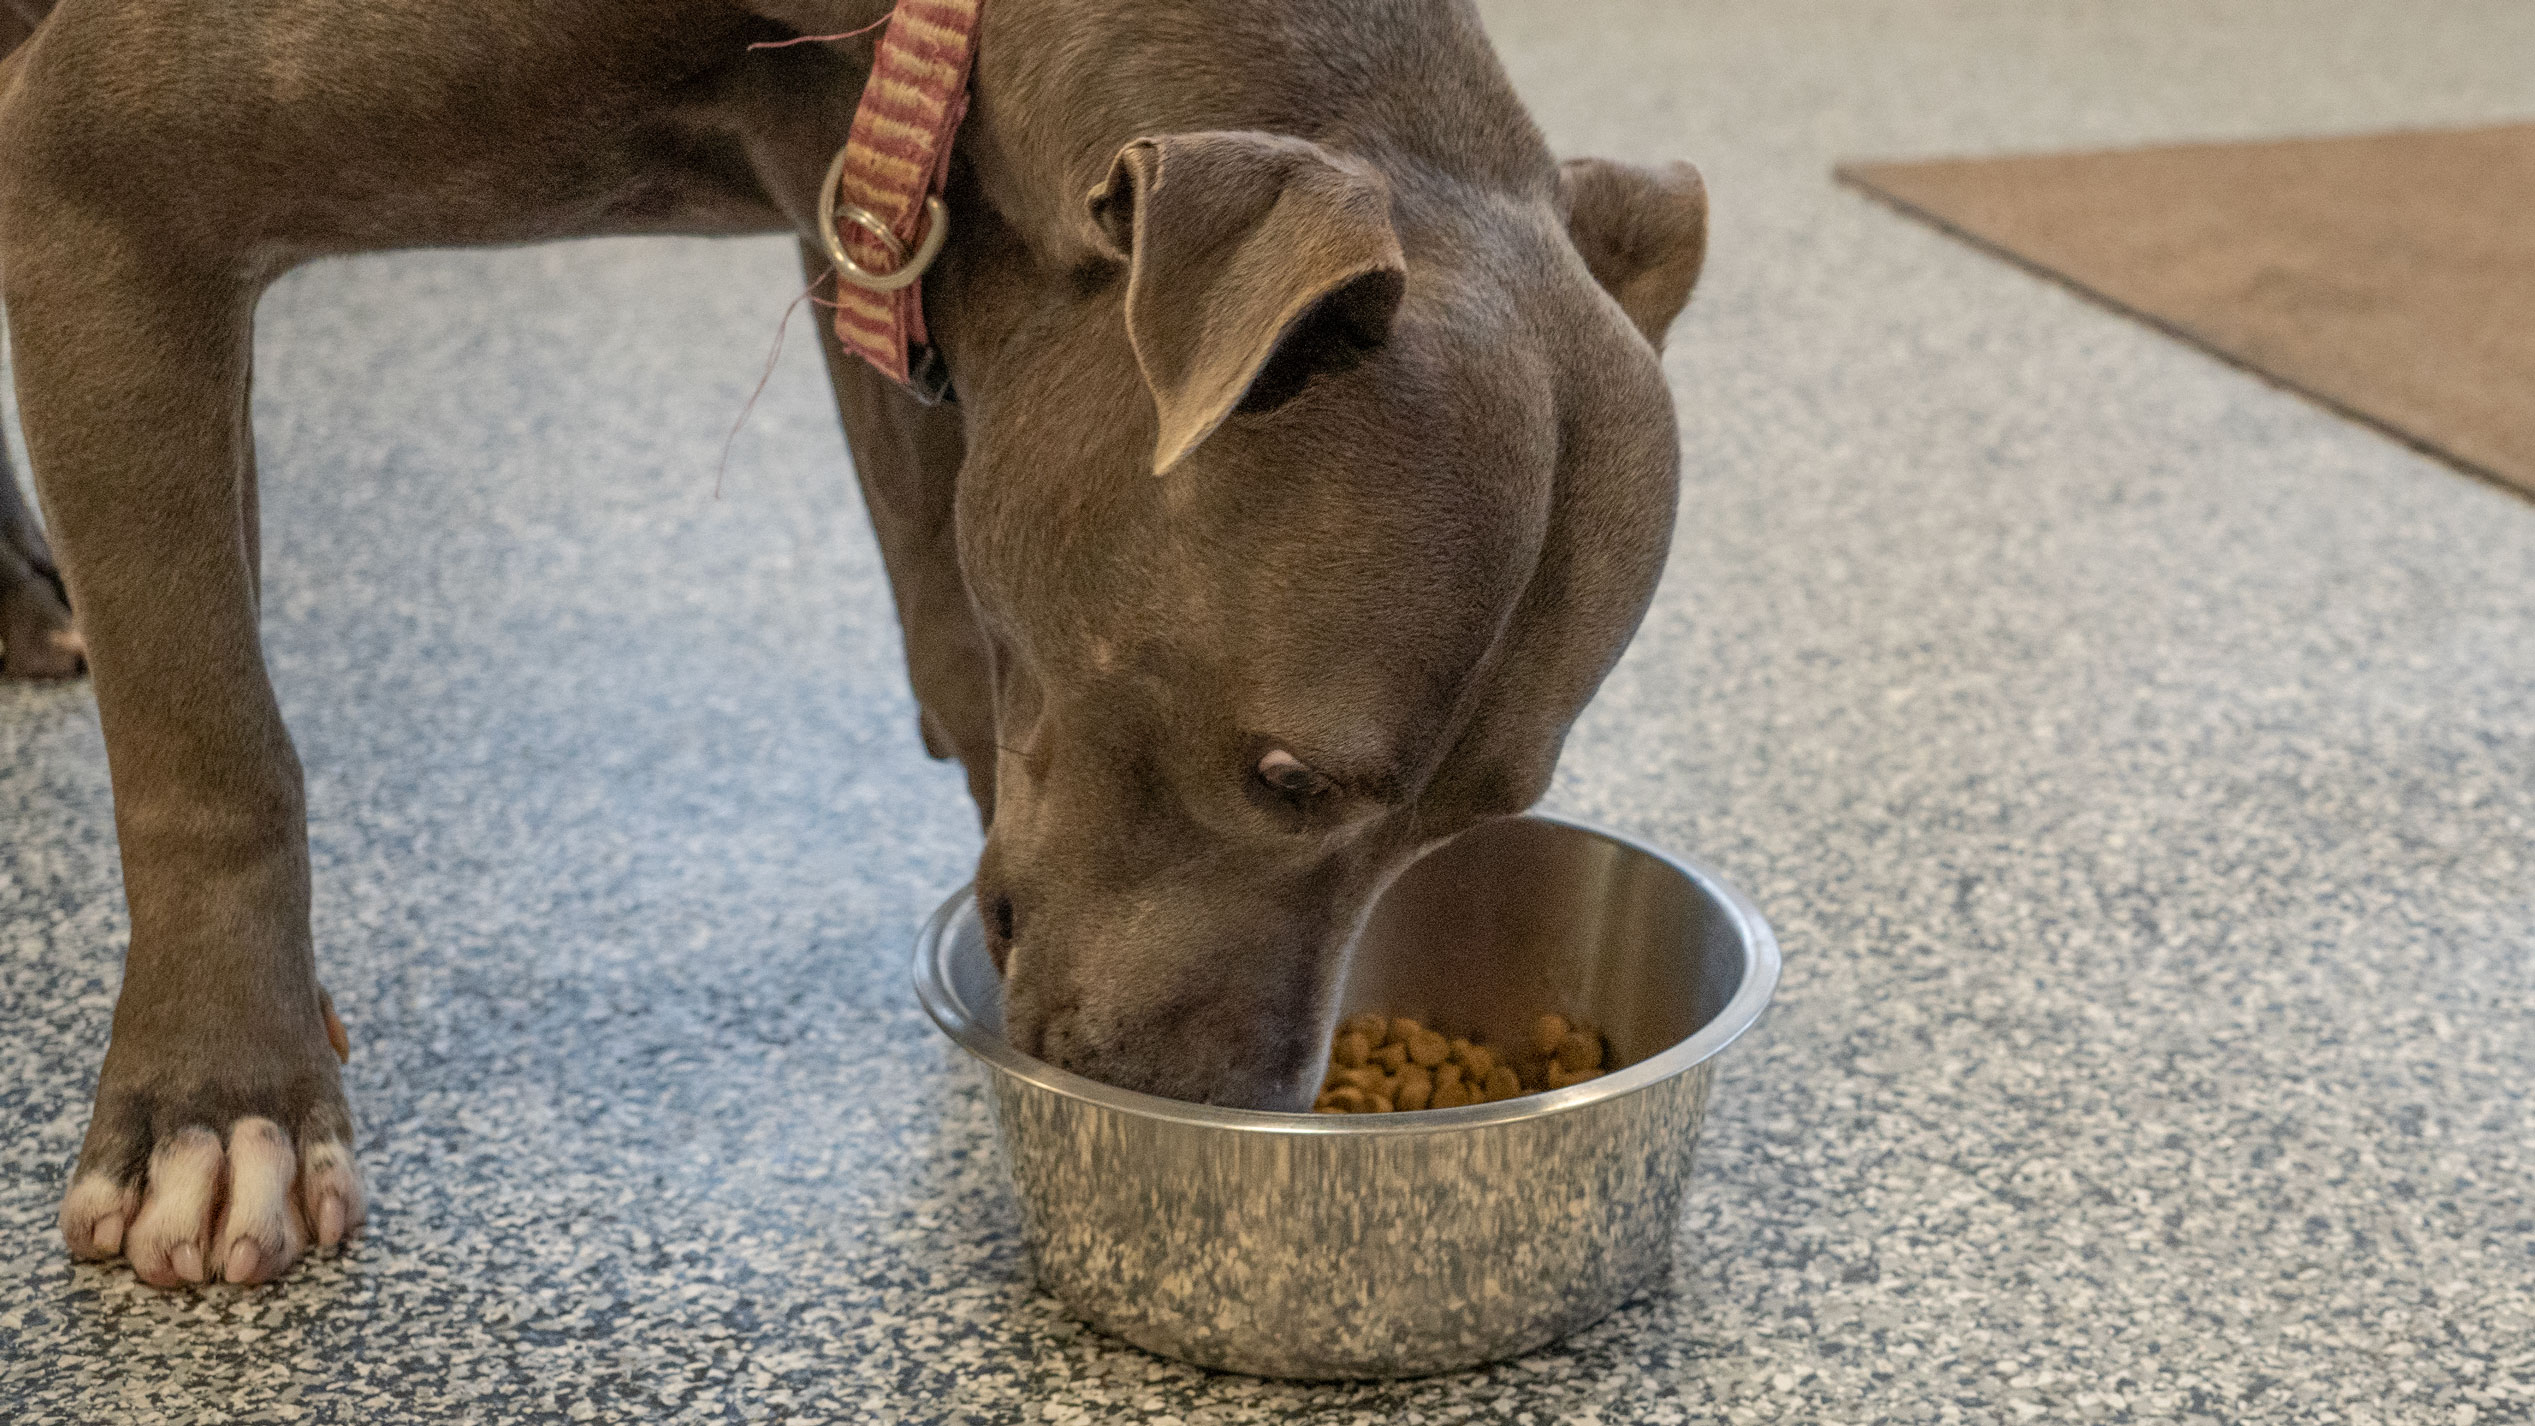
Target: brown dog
pixel 1310 463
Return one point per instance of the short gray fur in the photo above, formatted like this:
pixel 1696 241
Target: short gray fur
pixel 2136 761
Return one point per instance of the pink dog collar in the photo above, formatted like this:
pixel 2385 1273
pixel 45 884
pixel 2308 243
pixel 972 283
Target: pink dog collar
pixel 881 215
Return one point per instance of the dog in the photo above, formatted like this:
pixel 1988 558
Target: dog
pixel 1306 465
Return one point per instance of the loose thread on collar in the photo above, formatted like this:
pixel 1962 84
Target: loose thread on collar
pixel 823 39
pixel 773 355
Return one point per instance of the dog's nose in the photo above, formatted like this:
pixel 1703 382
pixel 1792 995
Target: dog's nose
pixel 1000 922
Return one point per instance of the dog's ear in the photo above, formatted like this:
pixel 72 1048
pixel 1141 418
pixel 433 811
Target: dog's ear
pixel 1253 262
pixel 1642 231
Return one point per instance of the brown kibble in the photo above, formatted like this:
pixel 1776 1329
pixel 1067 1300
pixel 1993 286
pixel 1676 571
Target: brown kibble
pixel 1416 1088
pixel 1560 1076
pixel 1385 1065
pixel 1579 1052
pixel 1547 1031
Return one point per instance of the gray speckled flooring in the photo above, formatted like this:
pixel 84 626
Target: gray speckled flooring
pixel 2139 764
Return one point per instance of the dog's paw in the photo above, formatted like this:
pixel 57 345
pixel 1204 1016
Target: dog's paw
pixel 37 637
pixel 204 1211
pixel 193 1198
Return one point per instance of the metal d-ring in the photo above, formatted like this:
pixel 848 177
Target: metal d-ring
pixel 904 269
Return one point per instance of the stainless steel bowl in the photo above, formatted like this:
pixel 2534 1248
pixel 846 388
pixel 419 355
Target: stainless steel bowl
pixel 1324 1245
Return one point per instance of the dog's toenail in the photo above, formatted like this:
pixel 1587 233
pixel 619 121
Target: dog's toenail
pixel 244 1259
pixel 187 1261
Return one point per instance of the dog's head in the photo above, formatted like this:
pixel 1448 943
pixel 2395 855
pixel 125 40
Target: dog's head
pixel 1304 509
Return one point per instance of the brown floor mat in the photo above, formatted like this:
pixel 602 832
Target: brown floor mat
pixel 2391 276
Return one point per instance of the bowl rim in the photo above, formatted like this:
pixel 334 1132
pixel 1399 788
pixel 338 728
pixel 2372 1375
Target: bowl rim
pixel 1761 965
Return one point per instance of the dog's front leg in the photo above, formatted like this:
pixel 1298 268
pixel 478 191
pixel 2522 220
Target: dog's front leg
pixel 220 1142
pixel 907 457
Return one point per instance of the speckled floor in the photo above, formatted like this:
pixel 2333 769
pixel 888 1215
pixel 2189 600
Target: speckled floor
pixel 2138 762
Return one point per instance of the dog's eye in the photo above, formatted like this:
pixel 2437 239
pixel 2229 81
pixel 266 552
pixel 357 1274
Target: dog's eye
pixel 1287 777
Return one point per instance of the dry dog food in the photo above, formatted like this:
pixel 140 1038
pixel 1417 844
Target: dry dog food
pixel 1378 1065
